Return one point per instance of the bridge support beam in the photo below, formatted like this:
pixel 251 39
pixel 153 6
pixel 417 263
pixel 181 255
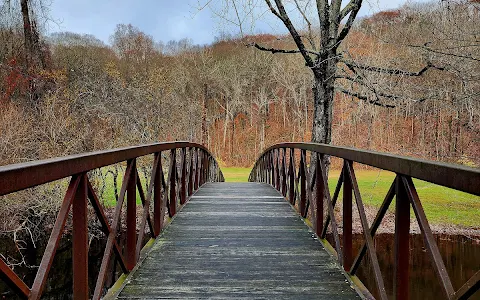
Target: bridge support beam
pixel 347 220
pixel 183 184
pixel 303 183
pixel 80 240
pixel 402 247
pixel 131 243
pixel 320 195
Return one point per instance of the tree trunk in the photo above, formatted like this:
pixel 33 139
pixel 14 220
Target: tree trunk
pixel 323 95
pixel 323 110
pixel 27 33
pixel 204 114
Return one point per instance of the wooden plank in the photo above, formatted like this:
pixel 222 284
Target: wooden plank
pixel 228 248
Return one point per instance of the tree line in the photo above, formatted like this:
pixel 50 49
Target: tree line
pixel 406 82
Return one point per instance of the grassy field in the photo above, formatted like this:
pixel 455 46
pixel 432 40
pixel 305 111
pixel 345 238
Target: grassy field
pixel 235 174
pixel 442 205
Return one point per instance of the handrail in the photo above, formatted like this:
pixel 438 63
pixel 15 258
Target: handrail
pixel 307 187
pixel 196 167
pixel 466 179
pixel 20 176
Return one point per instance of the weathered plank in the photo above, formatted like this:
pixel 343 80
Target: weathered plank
pixel 238 240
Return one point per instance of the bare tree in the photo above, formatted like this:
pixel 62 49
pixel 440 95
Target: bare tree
pixel 318 47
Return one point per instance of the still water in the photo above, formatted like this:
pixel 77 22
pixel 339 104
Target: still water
pixel 461 255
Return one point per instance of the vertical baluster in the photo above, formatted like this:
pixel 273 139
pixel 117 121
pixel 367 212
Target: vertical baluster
pixel 319 196
pixel 264 170
pixel 190 172
pixel 204 167
pixel 131 220
pixel 267 170
pixel 347 219
pixel 278 170
pixel 272 169
pixel 200 167
pixel 208 178
pixel 275 168
pixel 157 195
pixel 303 183
pixel 291 175
pixel 284 173
pixel 80 240
pixel 197 166
pixel 183 180
pixel 172 183
pixel 402 232
pixel 267 166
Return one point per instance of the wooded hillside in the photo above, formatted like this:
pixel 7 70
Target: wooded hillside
pixel 411 87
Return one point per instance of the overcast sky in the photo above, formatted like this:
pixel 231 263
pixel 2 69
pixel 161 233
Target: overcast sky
pixel 163 19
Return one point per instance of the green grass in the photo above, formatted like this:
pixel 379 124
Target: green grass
pixel 108 196
pixel 234 174
pixel 442 205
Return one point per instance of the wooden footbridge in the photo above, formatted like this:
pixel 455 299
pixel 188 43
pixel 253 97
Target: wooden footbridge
pixel 265 239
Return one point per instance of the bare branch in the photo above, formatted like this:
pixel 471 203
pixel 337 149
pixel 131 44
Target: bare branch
pixel 425 47
pixel 355 7
pixel 272 9
pixel 309 25
pixel 275 50
pixel 352 64
pixel 363 98
pixel 346 10
pixel 296 37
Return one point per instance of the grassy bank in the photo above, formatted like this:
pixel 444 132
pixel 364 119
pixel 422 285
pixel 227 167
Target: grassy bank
pixel 234 174
pixel 442 205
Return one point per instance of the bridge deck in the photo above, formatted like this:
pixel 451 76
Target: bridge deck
pixel 237 240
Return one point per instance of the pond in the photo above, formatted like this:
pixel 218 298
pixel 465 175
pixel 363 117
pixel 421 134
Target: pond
pixel 461 255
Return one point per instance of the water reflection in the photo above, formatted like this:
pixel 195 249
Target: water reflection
pixel 461 255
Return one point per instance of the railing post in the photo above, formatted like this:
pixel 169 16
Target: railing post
pixel 303 183
pixel 347 219
pixel 197 166
pixel 204 167
pixel 402 247
pixel 200 167
pixel 276 166
pixel 209 169
pixel 272 168
pixel 319 196
pixel 190 173
pixel 284 173
pixel 264 170
pixel 183 182
pixel 172 183
pixel 131 220
pixel 267 158
pixel 80 240
pixel 277 169
pixel 157 195
pixel 291 176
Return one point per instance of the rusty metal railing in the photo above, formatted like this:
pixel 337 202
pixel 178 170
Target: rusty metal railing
pixel 311 186
pixel 196 167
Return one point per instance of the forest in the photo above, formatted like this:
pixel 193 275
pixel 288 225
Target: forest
pixel 408 84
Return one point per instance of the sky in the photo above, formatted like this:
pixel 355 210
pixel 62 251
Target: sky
pixel 164 20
